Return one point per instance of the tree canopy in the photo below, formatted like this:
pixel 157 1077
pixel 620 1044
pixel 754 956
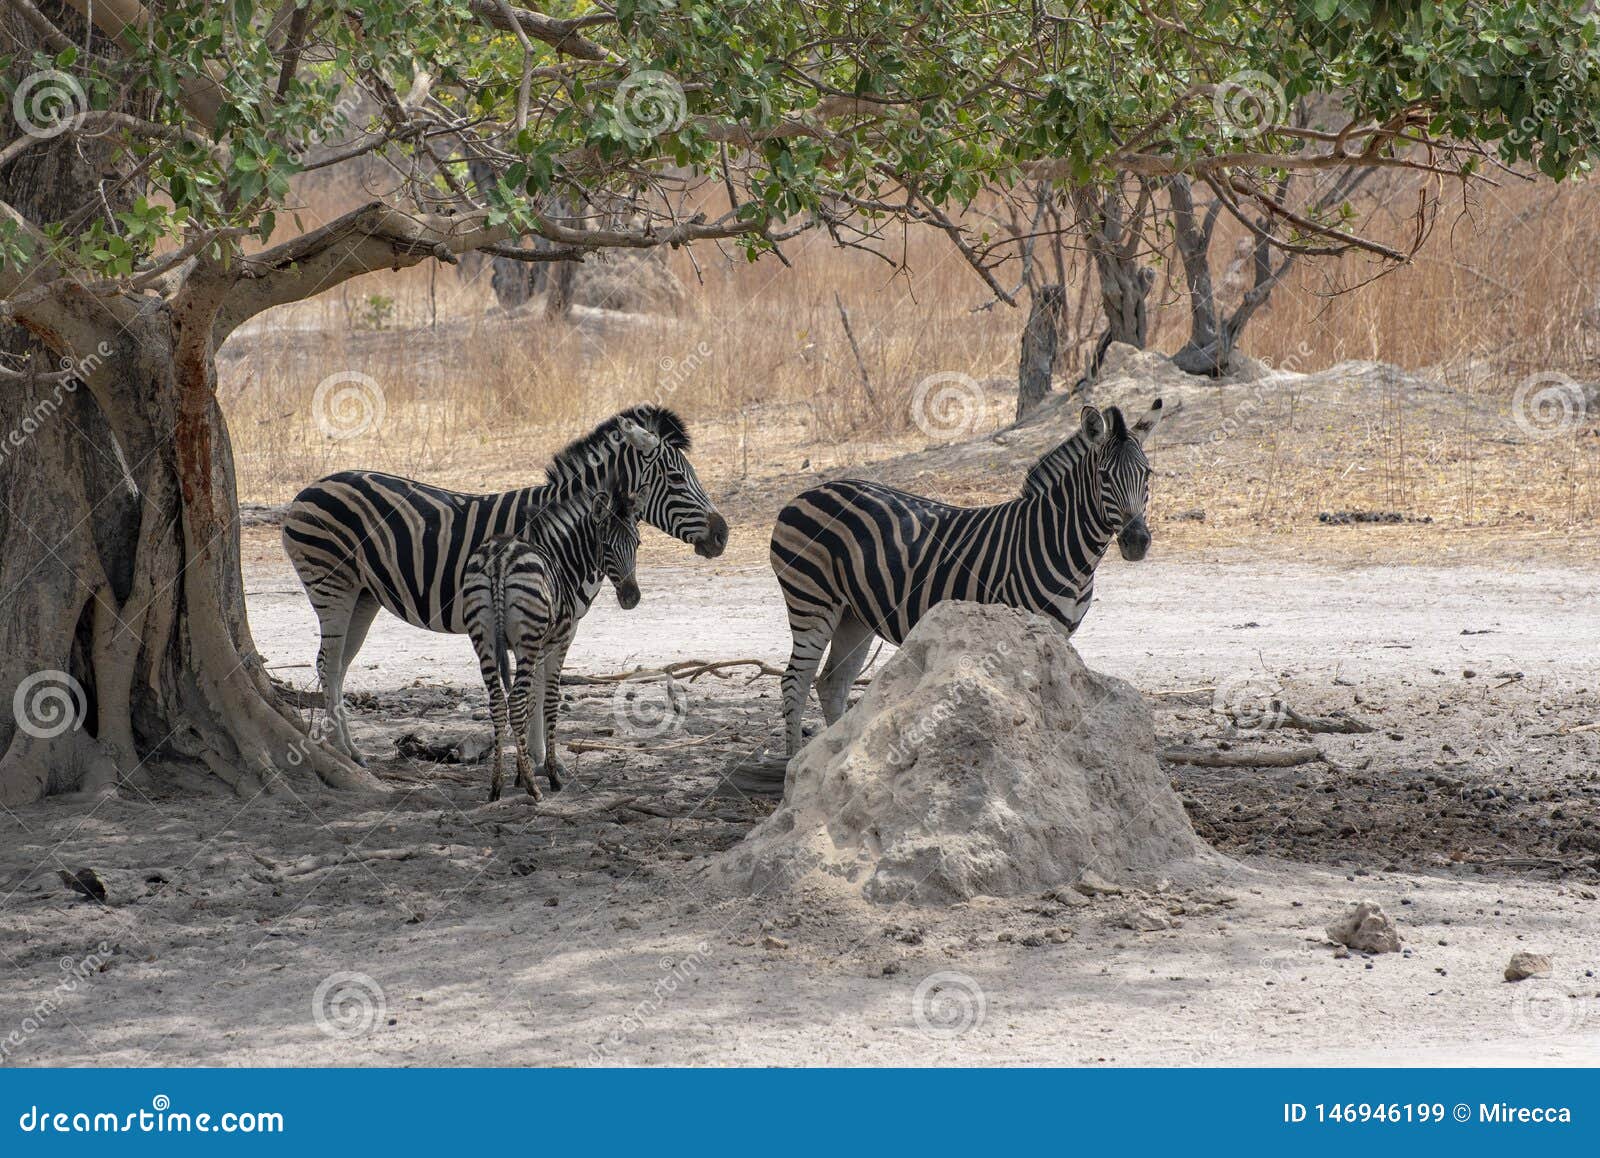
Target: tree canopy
pixel 815 113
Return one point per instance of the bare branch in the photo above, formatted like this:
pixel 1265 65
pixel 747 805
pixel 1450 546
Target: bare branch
pixel 561 35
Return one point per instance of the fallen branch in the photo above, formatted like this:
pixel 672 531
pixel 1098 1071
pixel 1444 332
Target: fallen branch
pixel 316 862
pixel 1281 715
pixel 603 746
pixel 1243 757
pixel 683 669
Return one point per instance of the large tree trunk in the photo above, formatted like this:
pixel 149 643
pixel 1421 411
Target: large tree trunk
pixel 124 601
pixel 1209 349
pixel 123 636
pixel 1040 338
pixel 1114 230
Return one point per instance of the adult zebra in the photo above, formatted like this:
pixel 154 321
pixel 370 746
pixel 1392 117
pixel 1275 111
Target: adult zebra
pixel 361 540
pixel 858 559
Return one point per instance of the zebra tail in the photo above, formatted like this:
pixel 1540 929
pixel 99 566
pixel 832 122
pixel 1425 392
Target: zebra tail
pixel 502 645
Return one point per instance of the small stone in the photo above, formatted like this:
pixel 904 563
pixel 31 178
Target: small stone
pixel 771 942
pixel 1525 965
pixel 627 923
pixel 890 968
pixel 1366 928
pixel 551 902
pixel 1340 953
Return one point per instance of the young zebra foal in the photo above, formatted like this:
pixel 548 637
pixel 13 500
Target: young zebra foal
pixel 522 596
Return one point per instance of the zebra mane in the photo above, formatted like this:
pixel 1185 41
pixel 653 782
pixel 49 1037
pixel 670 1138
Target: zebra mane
pixel 571 460
pixel 1057 463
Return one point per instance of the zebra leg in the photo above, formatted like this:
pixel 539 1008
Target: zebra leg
pixel 361 617
pixel 810 639
pixel 554 660
pixel 532 723
pixel 335 615
pixel 522 690
pixel 847 655
pixel 480 628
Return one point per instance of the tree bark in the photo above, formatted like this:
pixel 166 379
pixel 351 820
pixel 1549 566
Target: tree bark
pixel 1039 342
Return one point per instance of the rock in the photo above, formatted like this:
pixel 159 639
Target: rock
pixel 1067 895
pixel 473 749
pixel 85 882
pixel 1525 965
pixel 627 923
pixel 1148 920
pixel 1092 884
pixel 1365 928
pixel 774 943
pixel 984 759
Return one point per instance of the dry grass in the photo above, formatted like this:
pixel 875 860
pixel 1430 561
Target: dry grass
pixel 760 363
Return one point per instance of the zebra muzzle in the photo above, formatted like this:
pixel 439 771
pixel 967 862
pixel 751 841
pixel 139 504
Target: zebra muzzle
pixel 627 594
pixel 715 540
pixel 1134 540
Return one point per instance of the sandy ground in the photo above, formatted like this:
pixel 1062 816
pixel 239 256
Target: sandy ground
pixel 426 926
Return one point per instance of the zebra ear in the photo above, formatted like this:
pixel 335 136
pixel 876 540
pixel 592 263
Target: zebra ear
pixel 1094 424
pixel 1118 424
pixel 637 436
pixel 1152 418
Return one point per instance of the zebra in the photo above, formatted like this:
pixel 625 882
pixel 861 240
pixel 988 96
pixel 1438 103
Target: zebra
pixel 362 540
pixel 521 595
pixel 859 559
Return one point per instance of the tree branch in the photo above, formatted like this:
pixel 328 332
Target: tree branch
pixel 561 35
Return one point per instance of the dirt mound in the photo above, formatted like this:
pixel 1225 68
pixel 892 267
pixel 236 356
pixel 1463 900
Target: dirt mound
pixel 984 759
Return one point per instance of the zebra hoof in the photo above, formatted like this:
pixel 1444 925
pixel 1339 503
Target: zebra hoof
pixel 494 794
pixel 556 771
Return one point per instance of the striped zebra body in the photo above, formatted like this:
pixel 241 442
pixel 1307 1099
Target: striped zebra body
pixel 858 559
pixel 362 541
pixel 521 598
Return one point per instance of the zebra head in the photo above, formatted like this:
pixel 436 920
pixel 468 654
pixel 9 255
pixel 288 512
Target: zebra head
pixel 1124 475
pixel 668 491
pixel 616 523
